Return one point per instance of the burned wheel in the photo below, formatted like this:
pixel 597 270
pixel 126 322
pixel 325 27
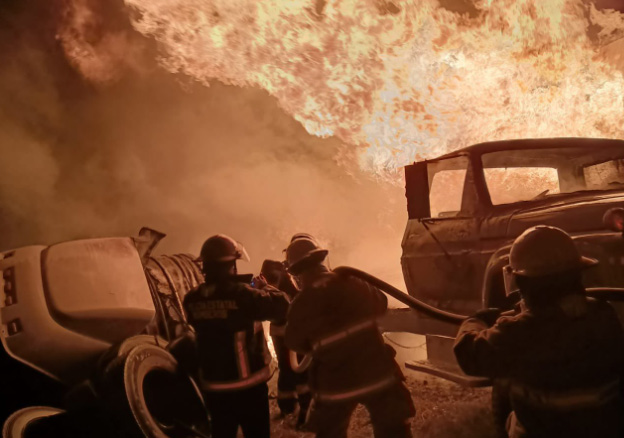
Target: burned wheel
pixel 165 402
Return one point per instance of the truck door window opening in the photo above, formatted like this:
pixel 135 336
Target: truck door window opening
pixel 446 186
pixel 604 176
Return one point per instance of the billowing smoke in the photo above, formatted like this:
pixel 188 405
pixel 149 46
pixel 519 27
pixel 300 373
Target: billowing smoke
pixel 111 117
pixel 125 144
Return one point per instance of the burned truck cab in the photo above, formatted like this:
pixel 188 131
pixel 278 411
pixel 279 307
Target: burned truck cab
pixel 466 208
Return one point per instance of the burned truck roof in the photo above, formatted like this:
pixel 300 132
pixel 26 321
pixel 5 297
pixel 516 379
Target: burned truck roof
pixel 584 145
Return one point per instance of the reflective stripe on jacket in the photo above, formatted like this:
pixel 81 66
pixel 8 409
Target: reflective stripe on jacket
pixel 358 392
pixel 334 319
pixel 232 349
pixel 342 334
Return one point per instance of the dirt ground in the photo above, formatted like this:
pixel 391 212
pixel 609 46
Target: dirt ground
pixel 444 410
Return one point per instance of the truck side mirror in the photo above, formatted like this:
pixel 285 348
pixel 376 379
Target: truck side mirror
pixel 417 190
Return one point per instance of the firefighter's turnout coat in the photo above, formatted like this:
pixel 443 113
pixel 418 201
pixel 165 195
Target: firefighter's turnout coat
pixel 335 321
pixel 563 366
pixel 231 345
pixel 291 386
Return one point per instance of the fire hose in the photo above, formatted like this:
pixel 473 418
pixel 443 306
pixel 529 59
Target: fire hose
pixel 401 296
pixel 609 294
pixel 395 293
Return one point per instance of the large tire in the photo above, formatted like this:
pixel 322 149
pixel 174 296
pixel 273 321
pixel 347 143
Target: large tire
pixel 143 393
pixel 18 423
pixel 165 402
pixel 501 407
pixel 108 378
pixel 121 350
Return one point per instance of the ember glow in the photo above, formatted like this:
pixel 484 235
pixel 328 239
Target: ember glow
pixel 406 79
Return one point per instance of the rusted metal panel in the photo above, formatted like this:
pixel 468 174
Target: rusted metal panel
pixel 439 263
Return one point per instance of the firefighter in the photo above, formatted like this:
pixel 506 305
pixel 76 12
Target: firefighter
pixel 292 387
pixel 333 318
pixel 562 356
pixel 232 351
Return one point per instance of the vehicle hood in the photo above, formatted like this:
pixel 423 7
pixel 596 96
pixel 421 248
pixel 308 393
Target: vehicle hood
pixel 574 213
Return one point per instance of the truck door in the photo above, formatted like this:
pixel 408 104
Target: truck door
pixel 441 246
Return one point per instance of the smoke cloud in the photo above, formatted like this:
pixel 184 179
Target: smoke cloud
pixel 97 139
pixel 102 152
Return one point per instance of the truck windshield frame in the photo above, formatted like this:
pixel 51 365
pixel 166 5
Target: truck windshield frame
pixel 547 172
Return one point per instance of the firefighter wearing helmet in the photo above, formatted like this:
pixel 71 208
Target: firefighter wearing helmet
pixel 292 387
pixel 333 318
pixel 233 357
pixel 562 354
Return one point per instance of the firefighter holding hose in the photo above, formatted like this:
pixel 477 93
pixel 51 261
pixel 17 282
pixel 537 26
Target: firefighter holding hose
pixel 333 318
pixel 292 387
pixel 562 355
pixel 232 351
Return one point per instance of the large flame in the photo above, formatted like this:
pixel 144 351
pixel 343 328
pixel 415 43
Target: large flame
pixel 406 79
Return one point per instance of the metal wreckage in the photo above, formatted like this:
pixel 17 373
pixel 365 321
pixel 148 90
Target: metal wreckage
pixel 86 324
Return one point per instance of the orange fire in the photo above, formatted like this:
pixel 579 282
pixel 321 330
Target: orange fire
pixel 407 79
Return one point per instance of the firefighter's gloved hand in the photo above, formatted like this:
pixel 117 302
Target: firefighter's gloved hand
pixel 259 282
pixel 488 316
